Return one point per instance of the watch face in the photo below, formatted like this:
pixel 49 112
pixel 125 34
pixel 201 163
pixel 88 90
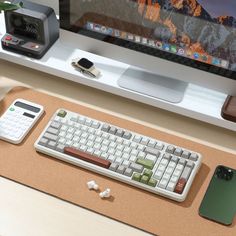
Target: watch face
pixel 85 63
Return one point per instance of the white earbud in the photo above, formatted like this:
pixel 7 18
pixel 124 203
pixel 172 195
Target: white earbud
pixel 105 194
pixel 92 185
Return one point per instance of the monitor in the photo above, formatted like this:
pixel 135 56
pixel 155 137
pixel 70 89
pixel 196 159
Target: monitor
pixel 168 43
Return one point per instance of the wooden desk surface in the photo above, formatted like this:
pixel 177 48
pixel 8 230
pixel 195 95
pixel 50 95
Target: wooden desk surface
pixel 33 213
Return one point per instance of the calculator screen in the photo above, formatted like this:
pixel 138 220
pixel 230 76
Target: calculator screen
pixel 27 107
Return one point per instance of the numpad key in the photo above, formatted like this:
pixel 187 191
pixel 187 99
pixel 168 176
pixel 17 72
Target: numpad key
pixel 143 162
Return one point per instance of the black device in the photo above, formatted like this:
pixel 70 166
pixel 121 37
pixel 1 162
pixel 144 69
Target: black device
pixel 30 30
pixel 219 202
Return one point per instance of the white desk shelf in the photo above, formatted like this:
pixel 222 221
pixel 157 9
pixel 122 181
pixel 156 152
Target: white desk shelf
pixel 198 103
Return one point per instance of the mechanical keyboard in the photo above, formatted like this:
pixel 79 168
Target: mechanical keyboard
pixel 121 154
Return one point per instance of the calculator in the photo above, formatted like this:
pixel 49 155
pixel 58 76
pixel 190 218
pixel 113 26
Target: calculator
pixel 18 120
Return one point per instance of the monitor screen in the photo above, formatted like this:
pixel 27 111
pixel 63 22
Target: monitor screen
pixel 200 34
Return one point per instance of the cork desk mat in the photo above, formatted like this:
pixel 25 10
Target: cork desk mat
pixel 141 209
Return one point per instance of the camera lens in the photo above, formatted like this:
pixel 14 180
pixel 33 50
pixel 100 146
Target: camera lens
pixel 224 173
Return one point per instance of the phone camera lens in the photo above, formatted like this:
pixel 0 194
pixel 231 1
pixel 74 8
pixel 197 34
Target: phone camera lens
pixel 224 173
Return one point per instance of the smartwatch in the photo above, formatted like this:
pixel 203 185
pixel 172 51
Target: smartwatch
pixel 85 66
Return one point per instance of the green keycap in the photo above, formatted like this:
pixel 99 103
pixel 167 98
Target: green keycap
pixel 152 182
pixel 146 163
pixel 12 109
pixel 148 173
pixel 144 179
pixel 62 113
pixel 136 177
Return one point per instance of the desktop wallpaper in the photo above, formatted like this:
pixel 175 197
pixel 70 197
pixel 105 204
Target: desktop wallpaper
pixel 204 26
pixel 207 27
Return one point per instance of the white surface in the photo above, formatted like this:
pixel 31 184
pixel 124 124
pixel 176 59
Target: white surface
pixel 27 212
pixel 198 103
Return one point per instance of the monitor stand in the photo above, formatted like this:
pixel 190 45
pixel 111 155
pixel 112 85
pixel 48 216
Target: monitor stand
pixel 153 85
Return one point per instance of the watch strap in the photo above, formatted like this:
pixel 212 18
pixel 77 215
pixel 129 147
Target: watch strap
pixel 93 71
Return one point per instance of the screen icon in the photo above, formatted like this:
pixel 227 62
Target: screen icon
pixel 89 26
pixel 215 61
pixel 189 53
pixel 123 35
pixel 224 63
pixel 97 27
pixel 166 47
pixel 159 44
pixel 130 37
pixel 173 49
pixel 181 51
pixel 151 43
pixel 144 41
pixel 205 58
pixel 196 55
pixel 117 33
pixel 103 29
pixel 109 31
pixel 137 39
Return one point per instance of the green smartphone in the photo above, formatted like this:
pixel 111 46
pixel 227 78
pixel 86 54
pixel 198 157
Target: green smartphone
pixel 219 202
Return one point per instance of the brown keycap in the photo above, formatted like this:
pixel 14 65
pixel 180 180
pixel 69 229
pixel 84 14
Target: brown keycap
pixel 87 157
pixel 179 188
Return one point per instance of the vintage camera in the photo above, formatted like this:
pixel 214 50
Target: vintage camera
pixel 30 30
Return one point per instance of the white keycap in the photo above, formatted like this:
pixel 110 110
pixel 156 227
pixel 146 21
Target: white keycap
pixel 98 140
pixel 97 146
pixel 111 158
pixel 118 160
pixel 112 145
pixel 133 145
pixel 104 155
pixel 119 141
pixel 120 147
pixel 163 183
pixel 161 167
pixel 126 163
pixel 144 141
pixel 171 186
pixel 97 153
pixel 140 147
pixel 84 135
pixel 133 158
pixel 177 173
pixel 164 162
pixel 104 148
pixel 78 133
pixel 137 138
pixel 141 154
pixel 134 152
pixel 126 156
pixel 90 150
pixel 111 151
pixel 118 153
pixel 75 145
pixel 127 150
pixel 126 143
pixel 151 158
pixel 89 143
pixel 152 143
pixel 76 139
pixel 166 176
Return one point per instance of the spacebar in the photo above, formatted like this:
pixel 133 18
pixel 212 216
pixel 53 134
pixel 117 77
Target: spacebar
pixel 87 157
